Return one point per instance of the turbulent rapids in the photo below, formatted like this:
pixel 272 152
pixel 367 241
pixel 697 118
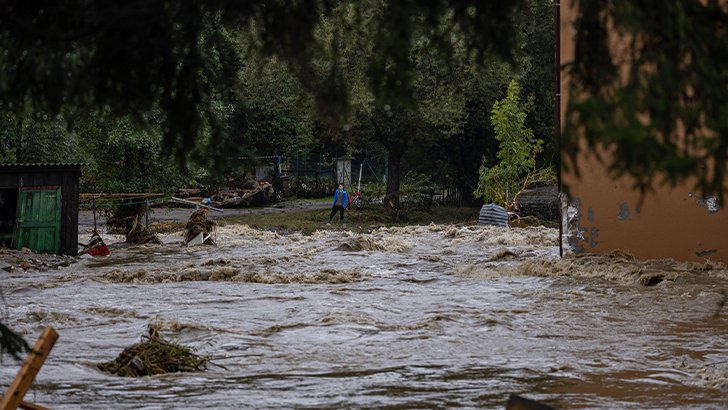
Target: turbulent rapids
pixel 428 316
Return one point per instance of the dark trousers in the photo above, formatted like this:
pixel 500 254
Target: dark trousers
pixel 337 208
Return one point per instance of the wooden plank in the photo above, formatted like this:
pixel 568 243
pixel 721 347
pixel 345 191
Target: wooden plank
pixel 40 188
pixel 39 220
pixel 14 396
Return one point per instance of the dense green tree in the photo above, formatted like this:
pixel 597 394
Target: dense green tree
pixel 124 156
pixel 535 67
pixel 454 161
pixel 124 57
pixel 516 157
pixel 26 139
pixel 179 56
pixel 272 111
pixel 440 115
pixel 437 85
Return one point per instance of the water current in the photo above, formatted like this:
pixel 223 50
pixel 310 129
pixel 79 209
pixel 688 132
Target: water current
pixel 399 318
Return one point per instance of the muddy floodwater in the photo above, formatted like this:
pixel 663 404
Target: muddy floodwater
pixel 417 317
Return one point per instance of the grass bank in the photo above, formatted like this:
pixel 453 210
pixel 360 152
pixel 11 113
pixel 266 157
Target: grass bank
pixel 371 216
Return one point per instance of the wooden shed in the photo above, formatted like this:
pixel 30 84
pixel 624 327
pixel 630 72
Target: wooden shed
pixel 39 207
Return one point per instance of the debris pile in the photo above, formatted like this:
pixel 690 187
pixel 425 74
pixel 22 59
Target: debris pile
pixel 128 219
pixel 123 218
pixel 95 247
pixel 25 259
pixel 155 355
pixel 140 234
pixel 197 225
pixel 541 202
pixel 257 196
pixel 249 194
pixel 191 193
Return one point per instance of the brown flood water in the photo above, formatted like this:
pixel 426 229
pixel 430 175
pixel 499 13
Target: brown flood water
pixel 418 317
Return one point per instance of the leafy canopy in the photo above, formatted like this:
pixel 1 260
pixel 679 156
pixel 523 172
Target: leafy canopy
pixel 181 57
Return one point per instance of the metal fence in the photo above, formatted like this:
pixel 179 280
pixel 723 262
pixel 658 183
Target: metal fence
pixel 310 163
pixel 449 196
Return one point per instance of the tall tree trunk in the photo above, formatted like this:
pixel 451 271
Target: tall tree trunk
pixel 391 200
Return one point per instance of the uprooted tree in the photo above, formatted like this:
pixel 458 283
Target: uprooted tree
pixel 502 183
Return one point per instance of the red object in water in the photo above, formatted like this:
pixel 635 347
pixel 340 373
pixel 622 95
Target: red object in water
pixel 100 251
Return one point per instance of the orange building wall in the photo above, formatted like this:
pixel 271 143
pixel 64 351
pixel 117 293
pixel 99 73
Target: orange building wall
pixel 667 223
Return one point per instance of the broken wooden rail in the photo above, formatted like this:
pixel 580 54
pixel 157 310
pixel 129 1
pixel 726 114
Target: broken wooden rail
pixel 13 398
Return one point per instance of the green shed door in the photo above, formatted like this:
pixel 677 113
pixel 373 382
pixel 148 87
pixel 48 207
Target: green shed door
pixel 39 219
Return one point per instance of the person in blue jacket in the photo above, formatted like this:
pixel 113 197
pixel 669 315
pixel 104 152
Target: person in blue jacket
pixel 339 204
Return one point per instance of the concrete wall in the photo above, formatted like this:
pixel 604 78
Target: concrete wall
pixel 608 215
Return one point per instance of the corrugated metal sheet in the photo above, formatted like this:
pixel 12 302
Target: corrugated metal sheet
pixel 492 214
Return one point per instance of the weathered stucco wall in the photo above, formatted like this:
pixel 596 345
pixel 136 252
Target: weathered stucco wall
pixel 609 215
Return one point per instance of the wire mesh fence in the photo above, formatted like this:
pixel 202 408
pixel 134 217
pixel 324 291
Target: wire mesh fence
pixel 315 174
pixel 310 162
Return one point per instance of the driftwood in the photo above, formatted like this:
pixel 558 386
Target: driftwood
pixel 140 234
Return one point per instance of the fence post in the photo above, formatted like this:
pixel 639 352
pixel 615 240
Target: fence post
pixel 146 218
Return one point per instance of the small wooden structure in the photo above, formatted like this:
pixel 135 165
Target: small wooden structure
pixel 39 207
pixel 13 398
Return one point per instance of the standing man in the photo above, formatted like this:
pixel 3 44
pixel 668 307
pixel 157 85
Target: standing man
pixel 339 204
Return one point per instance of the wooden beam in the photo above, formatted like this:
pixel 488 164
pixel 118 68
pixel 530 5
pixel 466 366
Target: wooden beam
pixel 14 396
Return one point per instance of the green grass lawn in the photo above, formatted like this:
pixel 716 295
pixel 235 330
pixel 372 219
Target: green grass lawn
pixel 369 217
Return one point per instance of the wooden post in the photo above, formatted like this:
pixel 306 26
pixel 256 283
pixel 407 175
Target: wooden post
pixel 14 396
pixel 146 219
